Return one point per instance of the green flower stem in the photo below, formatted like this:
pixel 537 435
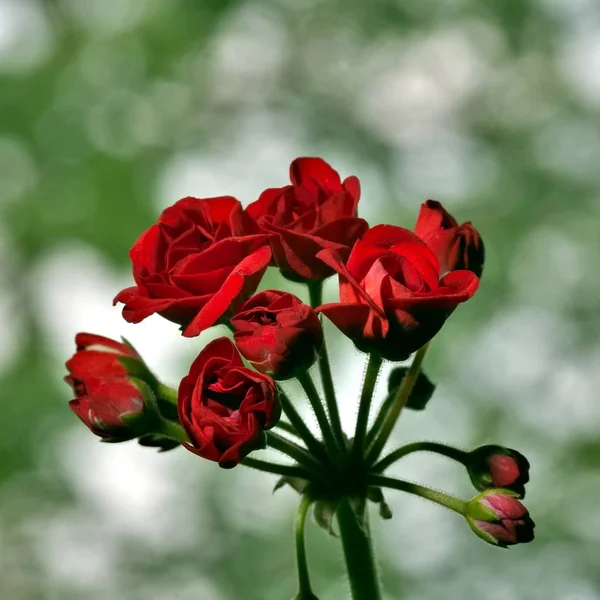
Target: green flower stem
pixel 299 454
pixel 315 291
pixel 268 467
pixel 171 429
pixel 358 553
pixel 315 401
pixel 396 407
pixel 166 393
pixel 287 427
pixel 300 427
pixel 304 587
pixel 449 451
pixel 451 502
pixel 373 368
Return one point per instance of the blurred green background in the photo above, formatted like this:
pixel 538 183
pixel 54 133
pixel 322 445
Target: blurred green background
pixel 112 109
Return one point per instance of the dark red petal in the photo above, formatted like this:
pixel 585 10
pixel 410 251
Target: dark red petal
pixel 433 217
pixel 306 171
pixel 240 284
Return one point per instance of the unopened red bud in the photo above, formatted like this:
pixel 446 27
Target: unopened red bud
pixel 455 246
pixel 497 517
pixel 106 400
pixel 498 467
pixel 277 333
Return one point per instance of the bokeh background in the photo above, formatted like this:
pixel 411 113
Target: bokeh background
pixel 112 109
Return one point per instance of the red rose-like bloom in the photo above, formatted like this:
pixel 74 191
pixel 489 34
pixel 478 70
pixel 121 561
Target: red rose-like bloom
pixel 195 266
pixel 497 517
pixel 455 246
pixel 392 300
pixel 315 212
pixel 277 333
pixel 225 407
pixel 99 380
pixel 498 467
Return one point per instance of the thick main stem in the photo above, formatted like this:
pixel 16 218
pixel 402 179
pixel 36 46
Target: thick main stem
pixel 315 291
pixel 358 553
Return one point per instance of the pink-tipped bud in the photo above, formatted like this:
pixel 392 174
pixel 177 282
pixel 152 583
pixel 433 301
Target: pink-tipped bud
pixel 498 518
pixel 498 467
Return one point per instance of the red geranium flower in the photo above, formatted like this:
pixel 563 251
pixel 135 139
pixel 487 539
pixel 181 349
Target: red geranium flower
pixel 196 265
pixel 225 407
pixel 392 300
pixel 315 212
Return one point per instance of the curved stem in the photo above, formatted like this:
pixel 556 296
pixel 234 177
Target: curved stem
pixel 373 367
pixel 445 500
pixel 315 401
pixel 396 407
pixel 315 291
pixel 302 430
pixel 304 588
pixel 268 467
pixel 299 454
pixel 454 453
pixel 358 553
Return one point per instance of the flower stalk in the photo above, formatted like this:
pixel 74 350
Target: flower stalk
pixel 396 407
pixel 315 291
pixel 372 372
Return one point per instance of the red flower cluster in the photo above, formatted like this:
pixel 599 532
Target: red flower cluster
pixel 202 262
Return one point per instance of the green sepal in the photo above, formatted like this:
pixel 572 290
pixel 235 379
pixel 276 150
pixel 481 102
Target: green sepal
pixel 117 440
pixel 375 495
pixel 294 277
pixel 478 512
pixel 420 394
pixel 358 505
pixel 323 513
pixel 136 367
pixel 296 483
pixel 162 442
pixel 486 537
pixel 167 410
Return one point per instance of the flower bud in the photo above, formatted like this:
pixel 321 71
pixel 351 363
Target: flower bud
pixel 498 467
pixel 106 400
pixel 455 246
pixel 277 333
pixel 498 518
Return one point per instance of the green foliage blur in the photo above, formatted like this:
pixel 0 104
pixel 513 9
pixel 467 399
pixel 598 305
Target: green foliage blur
pixel 112 109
